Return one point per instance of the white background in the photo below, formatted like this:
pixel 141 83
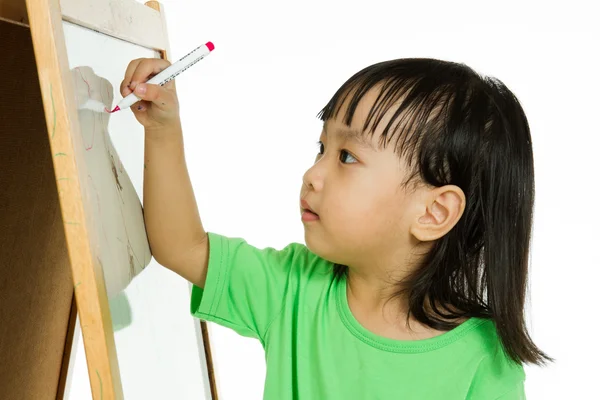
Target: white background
pixel 249 115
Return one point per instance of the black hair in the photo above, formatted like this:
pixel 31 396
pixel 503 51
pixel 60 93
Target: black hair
pixel 454 126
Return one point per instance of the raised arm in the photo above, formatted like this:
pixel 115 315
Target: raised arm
pixel 177 239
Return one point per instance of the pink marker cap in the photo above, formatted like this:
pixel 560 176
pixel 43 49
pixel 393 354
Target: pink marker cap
pixel 210 46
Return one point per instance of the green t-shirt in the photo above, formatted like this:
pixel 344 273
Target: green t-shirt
pixel 315 348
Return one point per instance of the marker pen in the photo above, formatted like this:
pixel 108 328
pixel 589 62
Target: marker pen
pixel 170 72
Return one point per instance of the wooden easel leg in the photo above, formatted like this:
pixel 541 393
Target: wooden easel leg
pixel 64 369
pixel 209 363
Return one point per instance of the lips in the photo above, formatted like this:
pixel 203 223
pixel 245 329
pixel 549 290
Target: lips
pixel 306 207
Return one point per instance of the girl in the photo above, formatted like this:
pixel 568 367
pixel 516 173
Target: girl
pixel 417 216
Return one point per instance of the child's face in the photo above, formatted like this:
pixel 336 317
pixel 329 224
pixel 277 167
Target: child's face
pixel 355 187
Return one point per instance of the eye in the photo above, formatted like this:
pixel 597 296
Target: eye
pixel 321 147
pixel 344 155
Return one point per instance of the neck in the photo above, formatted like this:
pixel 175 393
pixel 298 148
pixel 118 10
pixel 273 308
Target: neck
pixel 375 295
pixel 374 302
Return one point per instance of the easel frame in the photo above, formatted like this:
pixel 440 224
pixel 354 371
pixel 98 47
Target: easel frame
pixel 44 18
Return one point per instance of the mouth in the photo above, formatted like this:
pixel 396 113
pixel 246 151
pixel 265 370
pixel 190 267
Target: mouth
pixel 308 214
pixel 306 207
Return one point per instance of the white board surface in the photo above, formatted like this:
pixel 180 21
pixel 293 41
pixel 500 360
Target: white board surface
pixel 117 223
pixel 159 349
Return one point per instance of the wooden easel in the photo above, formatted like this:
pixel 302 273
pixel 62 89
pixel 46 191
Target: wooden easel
pixel 44 253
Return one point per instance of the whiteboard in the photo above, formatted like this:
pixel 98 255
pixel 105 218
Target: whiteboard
pixel 159 348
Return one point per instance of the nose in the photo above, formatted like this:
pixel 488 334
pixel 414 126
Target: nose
pixel 313 178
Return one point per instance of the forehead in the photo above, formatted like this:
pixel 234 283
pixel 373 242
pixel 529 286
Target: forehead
pixel 345 133
pixel 359 131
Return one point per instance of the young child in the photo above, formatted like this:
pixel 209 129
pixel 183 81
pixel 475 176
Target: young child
pixel 417 215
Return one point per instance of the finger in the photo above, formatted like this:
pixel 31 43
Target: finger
pixel 156 94
pixel 140 106
pixel 146 68
pixel 125 90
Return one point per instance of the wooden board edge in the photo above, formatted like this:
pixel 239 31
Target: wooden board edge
pixel 157 6
pixel 12 21
pixel 63 124
pixel 127 20
pixel 14 11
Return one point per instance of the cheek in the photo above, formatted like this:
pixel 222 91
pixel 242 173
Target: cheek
pixel 380 213
pixel 364 201
pixel 363 211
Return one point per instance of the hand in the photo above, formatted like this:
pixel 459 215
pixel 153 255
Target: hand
pixel 159 109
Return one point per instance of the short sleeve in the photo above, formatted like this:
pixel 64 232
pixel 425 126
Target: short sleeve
pixel 517 393
pixel 245 286
pixel 498 378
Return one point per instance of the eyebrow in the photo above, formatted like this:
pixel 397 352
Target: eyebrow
pixel 353 135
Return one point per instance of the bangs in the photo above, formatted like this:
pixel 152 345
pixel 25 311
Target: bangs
pixel 420 95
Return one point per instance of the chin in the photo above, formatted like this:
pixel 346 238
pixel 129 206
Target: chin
pixel 315 245
pixel 321 248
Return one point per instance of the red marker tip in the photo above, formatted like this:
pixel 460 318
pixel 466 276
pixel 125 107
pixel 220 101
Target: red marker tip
pixel 116 109
pixel 210 46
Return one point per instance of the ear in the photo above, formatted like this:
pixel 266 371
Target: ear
pixel 441 209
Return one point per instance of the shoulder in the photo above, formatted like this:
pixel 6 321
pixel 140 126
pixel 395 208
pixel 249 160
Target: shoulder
pixel 306 266
pixel 226 247
pixel 294 258
pixel 497 376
